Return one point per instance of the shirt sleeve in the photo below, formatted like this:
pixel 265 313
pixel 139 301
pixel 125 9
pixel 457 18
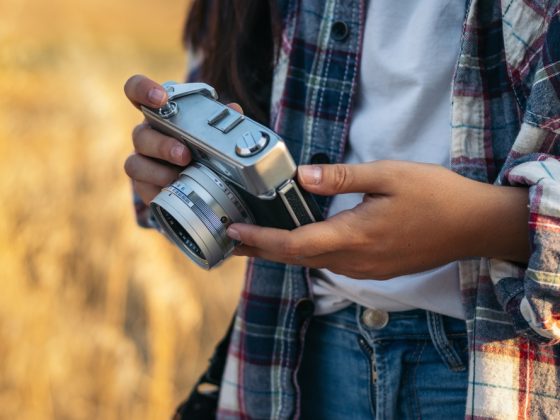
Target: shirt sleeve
pixel 531 295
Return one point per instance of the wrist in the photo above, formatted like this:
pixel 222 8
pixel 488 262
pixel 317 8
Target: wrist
pixel 498 226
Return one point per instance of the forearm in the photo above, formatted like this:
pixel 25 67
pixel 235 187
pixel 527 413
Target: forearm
pixel 498 226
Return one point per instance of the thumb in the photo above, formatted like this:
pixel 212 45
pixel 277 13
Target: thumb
pixel 341 178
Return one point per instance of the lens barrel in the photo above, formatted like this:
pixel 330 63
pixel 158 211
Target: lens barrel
pixel 195 211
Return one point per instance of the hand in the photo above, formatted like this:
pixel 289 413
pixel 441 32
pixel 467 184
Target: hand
pixel 413 217
pixel 157 159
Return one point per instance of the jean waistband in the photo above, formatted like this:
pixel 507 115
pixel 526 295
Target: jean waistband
pixel 398 322
pixel 375 325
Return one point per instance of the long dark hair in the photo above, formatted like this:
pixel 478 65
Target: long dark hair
pixel 236 39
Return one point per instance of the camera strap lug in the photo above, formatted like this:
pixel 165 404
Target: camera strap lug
pixel 178 90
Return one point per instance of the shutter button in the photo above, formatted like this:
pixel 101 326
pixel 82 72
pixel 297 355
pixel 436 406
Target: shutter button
pixel 168 110
pixel 251 143
pixel 375 318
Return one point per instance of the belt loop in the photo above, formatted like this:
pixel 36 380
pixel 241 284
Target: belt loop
pixel 442 344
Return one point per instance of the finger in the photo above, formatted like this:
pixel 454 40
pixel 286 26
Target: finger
pixel 145 191
pixel 338 262
pixel 373 177
pixel 143 169
pixel 305 241
pixel 152 143
pixel 311 262
pixel 333 261
pixel 248 251
pixel 141 90
pixel 236 107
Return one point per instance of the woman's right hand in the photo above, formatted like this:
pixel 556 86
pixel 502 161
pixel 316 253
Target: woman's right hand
pixel 157 159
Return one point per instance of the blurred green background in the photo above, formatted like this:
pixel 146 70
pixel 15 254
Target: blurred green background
pixel 99 319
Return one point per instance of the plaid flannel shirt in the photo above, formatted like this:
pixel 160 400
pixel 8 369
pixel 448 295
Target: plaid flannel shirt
pixel 506 130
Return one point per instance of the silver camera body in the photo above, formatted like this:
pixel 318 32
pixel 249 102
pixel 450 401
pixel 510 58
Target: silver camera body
pixel 241 172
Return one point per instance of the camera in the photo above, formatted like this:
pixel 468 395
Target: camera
pixel 241 172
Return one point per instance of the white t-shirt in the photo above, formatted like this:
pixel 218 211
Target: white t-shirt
pixel 403 113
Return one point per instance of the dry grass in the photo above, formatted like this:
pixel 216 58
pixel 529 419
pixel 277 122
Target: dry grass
pixel 98 318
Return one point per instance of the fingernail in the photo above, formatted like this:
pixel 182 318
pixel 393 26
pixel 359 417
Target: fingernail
pixel 311 174
pixel 178 153
pixel 156 96
pixel 233 234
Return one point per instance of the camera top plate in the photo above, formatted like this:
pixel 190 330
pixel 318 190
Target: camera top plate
pixel 243 151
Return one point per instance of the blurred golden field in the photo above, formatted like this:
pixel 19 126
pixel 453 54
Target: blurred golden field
pixel 98 319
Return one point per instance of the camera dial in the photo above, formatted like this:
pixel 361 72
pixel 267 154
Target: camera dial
pixel 251 143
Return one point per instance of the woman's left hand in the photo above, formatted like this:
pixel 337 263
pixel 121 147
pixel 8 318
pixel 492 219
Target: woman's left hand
pixel 413 217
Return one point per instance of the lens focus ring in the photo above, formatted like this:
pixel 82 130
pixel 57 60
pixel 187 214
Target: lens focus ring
pixel 195 211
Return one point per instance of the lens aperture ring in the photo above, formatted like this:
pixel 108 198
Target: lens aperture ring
pixel 202 211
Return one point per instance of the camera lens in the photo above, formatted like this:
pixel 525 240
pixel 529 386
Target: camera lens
pixel 195 211
pixel 182 234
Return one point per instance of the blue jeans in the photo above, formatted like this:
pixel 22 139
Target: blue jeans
pixel 414 367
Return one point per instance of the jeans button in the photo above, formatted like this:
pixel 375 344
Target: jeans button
pixel 375 318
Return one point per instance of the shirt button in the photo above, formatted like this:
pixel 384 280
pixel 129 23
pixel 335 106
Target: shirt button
pixel 339 30
pixel 306 307
pixel 319 159
pixel 375 318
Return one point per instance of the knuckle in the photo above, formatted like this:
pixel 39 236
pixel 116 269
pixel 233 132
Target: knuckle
pixel 341 176
pixel 137 134
pixel 163 148
pixel 131 165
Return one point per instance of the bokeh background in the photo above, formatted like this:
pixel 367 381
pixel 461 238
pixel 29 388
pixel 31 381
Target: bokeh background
pixel 99 319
